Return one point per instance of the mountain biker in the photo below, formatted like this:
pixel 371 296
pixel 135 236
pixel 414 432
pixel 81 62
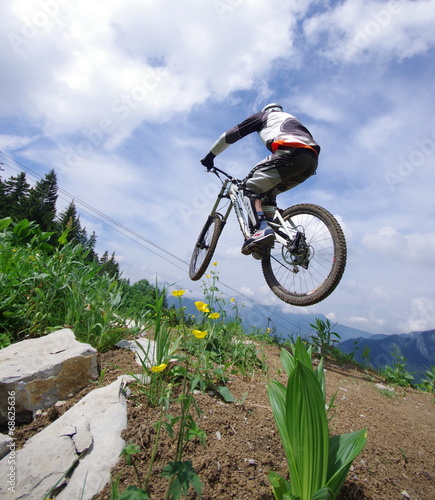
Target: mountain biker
pixel 293 160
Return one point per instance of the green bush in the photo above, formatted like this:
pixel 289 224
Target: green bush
pixel 397 373
pixel 42 288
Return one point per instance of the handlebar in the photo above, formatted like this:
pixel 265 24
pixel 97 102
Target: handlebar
pixel 217 171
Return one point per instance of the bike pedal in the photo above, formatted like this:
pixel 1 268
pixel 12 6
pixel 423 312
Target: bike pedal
pixel 257 256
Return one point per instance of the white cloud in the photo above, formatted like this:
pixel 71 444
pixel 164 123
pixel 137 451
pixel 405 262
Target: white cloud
pixel 357 29
pixel 422 317
pixel 247 291
pixel 111 65
pixel 13 142
pixel 416 249
pixel 331 316
pixel 358 320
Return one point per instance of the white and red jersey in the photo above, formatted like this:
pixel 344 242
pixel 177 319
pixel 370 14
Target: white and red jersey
pixel 277 130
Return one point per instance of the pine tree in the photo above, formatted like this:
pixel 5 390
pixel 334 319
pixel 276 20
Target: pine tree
pixel 16 192
pixel 3 201
pixel 68 219
pixel 92 255
pixel 41 203
pixel 109 266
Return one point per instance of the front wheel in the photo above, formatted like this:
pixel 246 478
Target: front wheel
pixel 205 246
pixel 308 258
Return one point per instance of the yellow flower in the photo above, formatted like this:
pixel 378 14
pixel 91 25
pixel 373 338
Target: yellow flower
pixel 159 368
pixel 202 306
pixel 198 334
pixel 232 299
pixel 208 276
pixel 214 315
pixel 178 293
pixel 215 263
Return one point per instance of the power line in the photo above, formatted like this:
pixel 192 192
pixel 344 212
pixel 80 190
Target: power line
pixel 129 233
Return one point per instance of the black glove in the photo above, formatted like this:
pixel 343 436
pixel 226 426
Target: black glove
pixel 207 161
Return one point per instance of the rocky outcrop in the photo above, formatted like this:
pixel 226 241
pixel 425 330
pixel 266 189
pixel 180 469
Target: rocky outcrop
pixel 39 372
pixel 5 444
pixel 73 456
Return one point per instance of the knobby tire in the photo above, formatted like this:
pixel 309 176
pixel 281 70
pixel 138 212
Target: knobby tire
pixel 286 283
pixel 205 246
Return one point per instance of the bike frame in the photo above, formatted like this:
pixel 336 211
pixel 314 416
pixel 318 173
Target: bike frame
pixel 303 265
pixel 230 190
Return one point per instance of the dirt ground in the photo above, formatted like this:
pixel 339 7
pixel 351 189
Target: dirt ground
pixel 243 444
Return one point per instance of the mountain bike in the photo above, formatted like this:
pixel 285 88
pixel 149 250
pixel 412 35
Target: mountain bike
pixel 302 266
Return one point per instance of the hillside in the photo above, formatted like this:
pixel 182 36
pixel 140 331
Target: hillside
pixel 285 324
pixel 243 444
pixel 418 348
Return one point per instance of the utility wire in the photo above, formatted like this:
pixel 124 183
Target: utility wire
pixel 134 236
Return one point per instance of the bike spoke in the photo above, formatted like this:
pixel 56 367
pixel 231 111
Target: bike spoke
pixel 304 270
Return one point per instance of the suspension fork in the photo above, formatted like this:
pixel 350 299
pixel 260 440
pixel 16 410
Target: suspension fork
pixel 219 198
pixel 222 194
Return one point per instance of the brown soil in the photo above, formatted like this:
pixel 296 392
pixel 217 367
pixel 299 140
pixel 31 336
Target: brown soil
pixel 243 444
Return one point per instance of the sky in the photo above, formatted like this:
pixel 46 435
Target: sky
pixel 122 99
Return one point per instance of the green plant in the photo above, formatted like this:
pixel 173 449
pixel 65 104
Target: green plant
pixel 366 356
pixel 428 382
pixel 396 373
pixel 318 464
pixel 130 493
pixel 42 289
pixel 181 476
pixel 128 452
pixel 405 458
pixel 24 233
pixel 323 339
pixel 211 291
pixel 156 357
pixel 168 369
pixel 180 473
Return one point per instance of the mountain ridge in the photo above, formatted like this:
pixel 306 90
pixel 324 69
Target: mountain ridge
pixel 418 348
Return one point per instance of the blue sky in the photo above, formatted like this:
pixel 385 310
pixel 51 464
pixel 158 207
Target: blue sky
pixel 122 99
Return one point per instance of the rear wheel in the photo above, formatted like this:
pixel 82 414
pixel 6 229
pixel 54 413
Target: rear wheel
pixel 205 246
pixel 307 267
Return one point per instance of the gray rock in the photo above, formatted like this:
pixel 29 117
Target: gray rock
pixel 5 442
pixel 39 372
pixel 382 387
pixel 76 452
pixel 144 349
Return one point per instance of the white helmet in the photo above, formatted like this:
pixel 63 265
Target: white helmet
pixel 273 106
